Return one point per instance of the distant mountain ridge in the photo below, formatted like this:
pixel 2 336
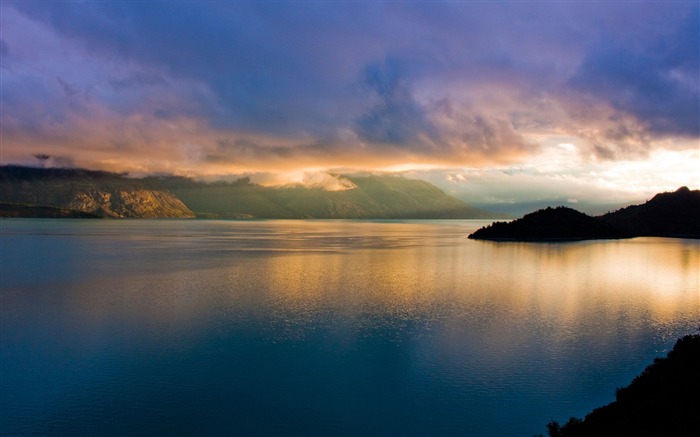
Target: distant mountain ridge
pixel 673 214
pixel 33 192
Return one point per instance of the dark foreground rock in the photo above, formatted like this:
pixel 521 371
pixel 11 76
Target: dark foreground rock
pixel 663 401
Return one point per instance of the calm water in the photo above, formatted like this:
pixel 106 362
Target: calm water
pixel 166 327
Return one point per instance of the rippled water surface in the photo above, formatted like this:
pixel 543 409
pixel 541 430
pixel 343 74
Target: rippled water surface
pixel 167 327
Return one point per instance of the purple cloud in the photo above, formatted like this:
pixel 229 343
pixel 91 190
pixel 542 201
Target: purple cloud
pixel 458 82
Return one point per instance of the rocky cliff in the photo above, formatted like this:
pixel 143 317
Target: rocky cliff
pixel 101 193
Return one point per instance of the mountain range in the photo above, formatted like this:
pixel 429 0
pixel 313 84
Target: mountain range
pixel 364 196
pixel 672 214
pixel 52 192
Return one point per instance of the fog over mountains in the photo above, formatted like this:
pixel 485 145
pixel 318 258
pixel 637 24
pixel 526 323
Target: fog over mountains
pixel 360 196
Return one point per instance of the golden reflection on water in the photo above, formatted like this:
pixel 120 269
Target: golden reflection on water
pixel 357 275
pixel 572 285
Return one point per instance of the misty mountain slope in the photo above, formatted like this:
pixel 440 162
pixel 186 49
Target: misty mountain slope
pixel 95 192
pixel 374 196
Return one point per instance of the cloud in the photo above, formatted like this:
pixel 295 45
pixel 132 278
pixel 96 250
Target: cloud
pixel 477 134
pixel 656 82
pixel 397 118
pixel 326 181
pixel 230 86
pixel 432 130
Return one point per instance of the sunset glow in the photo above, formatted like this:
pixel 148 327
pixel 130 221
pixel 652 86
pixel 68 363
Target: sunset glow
pixel 495 102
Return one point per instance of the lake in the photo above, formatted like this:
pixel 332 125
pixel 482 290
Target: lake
pixel 212 328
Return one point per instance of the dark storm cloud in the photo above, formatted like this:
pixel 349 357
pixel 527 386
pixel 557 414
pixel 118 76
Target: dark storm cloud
pixel 446 81
pixel 265 63
pixel 396 118
pixel 657 83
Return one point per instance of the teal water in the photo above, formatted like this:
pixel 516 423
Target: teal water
pixel 211 328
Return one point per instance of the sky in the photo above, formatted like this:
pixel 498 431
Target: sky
pixel 496 102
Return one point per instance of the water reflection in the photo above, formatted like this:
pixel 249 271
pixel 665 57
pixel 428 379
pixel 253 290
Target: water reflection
pixel 325 327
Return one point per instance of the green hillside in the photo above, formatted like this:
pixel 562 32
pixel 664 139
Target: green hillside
pixel 374 196
pixel 113 195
